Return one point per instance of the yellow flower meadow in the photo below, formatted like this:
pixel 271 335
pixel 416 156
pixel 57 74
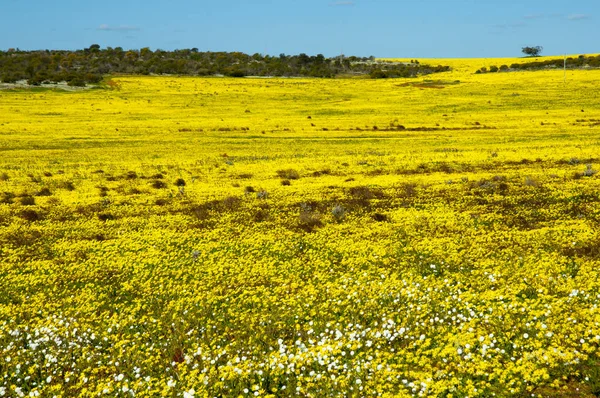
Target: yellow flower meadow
pixel 180 236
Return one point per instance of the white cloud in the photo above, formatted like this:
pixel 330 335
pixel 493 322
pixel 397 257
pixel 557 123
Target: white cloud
pixel 535 16
pixel 510 25
pixel 120 28
pixel 578 17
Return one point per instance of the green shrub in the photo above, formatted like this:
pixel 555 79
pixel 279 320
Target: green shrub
pixel 288 174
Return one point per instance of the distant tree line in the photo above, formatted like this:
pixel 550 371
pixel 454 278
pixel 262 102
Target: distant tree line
pixel 572 63
pixel 92 64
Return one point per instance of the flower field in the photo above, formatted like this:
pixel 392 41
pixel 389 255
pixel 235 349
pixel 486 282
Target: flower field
pixel 181 237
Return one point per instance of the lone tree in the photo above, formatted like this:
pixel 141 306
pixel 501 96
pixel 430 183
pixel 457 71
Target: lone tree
pixel 532 51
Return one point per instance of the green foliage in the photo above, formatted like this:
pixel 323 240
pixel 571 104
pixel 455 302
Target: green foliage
pixel 378 74
pixel 88 66
pixel 581 61
pixel 234 72
pixel 288 174
pixel 532 51
pixel 572 63
pixel 76 82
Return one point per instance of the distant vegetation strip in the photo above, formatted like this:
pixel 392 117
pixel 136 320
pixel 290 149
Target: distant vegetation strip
pixel 581 61
pixel 90 65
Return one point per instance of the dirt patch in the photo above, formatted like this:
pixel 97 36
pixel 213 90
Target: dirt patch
pixel 435 84
pixel 22 85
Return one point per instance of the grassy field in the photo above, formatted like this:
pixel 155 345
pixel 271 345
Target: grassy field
pixel 178 236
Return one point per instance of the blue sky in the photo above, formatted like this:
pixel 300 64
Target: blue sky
pixel 384 28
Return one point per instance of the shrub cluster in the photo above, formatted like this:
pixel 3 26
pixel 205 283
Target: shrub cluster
pixel 581 61
pixel 90 65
